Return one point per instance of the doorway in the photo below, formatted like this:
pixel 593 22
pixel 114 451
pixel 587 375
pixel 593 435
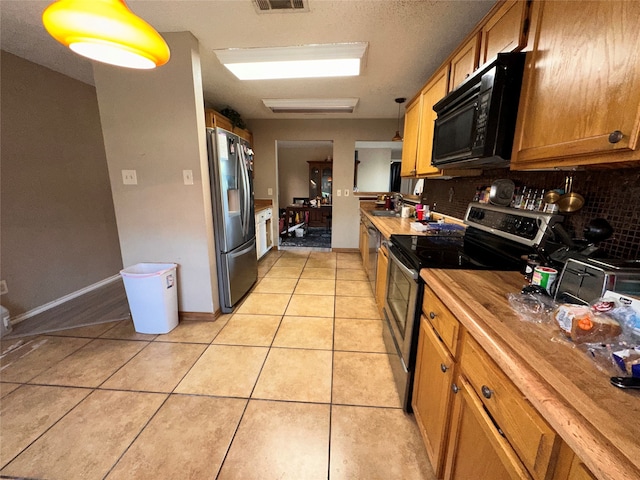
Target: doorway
pixel 305 193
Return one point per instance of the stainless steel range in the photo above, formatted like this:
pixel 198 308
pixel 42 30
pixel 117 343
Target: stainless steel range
pixel 495 239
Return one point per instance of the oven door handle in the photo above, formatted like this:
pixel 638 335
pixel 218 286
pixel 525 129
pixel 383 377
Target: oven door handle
pixel 414 274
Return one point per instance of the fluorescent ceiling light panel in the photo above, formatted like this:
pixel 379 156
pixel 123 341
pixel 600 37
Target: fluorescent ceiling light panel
pixel 311 105
pixel 306 61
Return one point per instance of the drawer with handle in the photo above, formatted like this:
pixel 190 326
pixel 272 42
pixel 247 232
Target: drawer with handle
pixel 531 437
pixel 264 215
pixel 444 323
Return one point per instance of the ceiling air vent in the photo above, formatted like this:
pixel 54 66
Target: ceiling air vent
pixel 264 6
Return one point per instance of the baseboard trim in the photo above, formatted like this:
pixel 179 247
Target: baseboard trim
pixel 199 316
pixel 345 250
pixel 61 300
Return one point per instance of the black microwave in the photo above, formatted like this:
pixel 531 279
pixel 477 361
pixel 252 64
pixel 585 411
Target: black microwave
pixel 476 122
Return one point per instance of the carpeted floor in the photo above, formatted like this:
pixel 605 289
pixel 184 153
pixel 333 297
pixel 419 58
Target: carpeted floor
pixel 316 237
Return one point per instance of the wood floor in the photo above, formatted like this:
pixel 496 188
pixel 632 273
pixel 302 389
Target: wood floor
pixel 104 304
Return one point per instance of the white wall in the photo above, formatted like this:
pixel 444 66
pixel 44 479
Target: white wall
pixel 344 133
pixel 153 122
pixel 374 169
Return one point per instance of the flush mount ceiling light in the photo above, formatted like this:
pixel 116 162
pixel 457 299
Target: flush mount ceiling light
pixel 397 137
pixel 311 105
pixel 106 31
pixel 305 61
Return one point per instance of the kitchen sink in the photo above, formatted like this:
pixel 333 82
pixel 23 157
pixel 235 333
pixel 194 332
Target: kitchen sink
pixel 384 213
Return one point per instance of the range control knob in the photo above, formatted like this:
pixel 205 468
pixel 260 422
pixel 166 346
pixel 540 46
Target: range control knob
pixel 530 227
pixel 517 225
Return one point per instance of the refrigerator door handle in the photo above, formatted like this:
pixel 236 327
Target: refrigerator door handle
pixel 239 253
pixel 242 183
pixel 245 190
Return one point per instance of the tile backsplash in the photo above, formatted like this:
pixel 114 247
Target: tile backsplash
pixel 610 194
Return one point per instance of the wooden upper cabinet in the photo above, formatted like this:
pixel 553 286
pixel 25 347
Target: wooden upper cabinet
pixel 431 94
pixel 214 119
pixel 410 140
pixel 506 30
pixel 464 62
pixel 580 101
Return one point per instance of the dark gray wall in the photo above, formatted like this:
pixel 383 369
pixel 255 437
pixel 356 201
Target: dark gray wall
pixel 58 229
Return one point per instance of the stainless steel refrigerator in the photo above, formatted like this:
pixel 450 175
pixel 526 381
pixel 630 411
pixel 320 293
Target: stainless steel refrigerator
pixel 231 175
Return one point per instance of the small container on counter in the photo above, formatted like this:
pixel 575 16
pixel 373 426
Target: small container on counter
pixel 530 262
pixel 545 277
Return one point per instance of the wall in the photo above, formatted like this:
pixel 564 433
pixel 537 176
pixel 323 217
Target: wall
pixel 293 170
pixel 58 229
pixel 374 169
pixel 610 194
pixel 153 122
pixel 344 134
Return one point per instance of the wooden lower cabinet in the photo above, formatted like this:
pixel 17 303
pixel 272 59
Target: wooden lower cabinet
pixel 364 245
pixel 381 276
pixel 570 467
pixel 432 393
pixel 475 422
pixel 476 447
pixel 530 436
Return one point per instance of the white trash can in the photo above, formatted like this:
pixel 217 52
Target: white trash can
pixel 152 294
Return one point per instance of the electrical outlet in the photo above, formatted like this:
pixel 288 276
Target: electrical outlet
pixel 346 192
pixel 3 287
pixel 269 191
pixel 129 177
pixel 187 176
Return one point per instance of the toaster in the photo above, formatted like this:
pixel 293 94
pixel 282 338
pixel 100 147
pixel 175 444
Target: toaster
pixel 584 280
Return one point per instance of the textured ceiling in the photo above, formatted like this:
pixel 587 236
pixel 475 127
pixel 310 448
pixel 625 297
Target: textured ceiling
pixel 408 40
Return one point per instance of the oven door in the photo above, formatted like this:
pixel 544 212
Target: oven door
pixel 402 303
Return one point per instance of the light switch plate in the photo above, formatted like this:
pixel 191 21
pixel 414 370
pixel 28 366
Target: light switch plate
pixel 129 177
pixel 187 176
pixel 269 191
pixel 339 193
pixel 346 192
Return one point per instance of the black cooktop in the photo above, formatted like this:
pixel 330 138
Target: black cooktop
pixel 471 250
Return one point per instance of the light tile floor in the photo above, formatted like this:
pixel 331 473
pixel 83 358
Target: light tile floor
pixel 295 384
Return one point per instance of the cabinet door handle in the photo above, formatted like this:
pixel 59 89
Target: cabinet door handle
pixel 455 388
pixel 432 315
pixel 444 368
pixel 486 391
pixel 615 136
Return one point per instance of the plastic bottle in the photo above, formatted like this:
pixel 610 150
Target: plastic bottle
pixel 523 198
pixel 531 199
pixel 540 205
pixel 517 198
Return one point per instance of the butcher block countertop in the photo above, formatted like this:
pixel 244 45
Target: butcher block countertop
pixel 262 204
pixel 388 226
pixel 601 423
